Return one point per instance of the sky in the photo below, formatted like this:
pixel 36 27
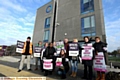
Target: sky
pixel 17 18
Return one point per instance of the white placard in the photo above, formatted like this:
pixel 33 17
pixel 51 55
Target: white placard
pixel 47 64
pixel 19 50
pixel 73 53
pixel 36 54
pixel 58 61
pixel 99 62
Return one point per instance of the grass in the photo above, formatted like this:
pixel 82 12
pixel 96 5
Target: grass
pixel 114 59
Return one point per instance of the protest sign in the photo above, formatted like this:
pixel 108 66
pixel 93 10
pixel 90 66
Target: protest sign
pixel 73 49
pixel 20 46
pixel 37 50
pixel 58 62
pixel 47 64
pixel 99 63
pixel 87 52
pixel 59 46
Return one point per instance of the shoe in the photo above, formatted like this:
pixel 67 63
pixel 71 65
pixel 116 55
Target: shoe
pixel 45 74
pixel 36 68
pixel 29 69
pixel 63 77
pixel 72 74
pixel 19 71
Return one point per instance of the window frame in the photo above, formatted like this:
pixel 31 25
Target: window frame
pixel 47 25
pixel 46 35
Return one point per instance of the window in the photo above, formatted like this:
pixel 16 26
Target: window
pixel 47 22
pixel 88 26
pixel 46 35
pixel 87 6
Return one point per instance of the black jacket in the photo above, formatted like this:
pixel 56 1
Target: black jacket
pixel 99 48
pixel 49 53
pixel 88 62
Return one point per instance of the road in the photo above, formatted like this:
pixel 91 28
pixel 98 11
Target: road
pixel 9 66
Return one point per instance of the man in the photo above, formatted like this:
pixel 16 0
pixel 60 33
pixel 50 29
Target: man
pixel 37 58
pixel 66 45
pixel 27 52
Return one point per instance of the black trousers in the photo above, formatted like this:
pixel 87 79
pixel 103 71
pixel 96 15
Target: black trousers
pixel 88 72
pixel 41 65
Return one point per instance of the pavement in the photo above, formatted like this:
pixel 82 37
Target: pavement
pixel 9 66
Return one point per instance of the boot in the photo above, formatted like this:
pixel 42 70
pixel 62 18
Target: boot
pixel 103 76
pixel 72 74
pixel 98 76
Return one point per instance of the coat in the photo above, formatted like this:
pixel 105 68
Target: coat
pixel 88 62
pixel 99 48
pixel 49 52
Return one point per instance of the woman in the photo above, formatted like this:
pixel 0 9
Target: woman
pixel 41 56
pixel 100 47
pixel 74 60
pixel 64 68
pixel 49 54
pixel 88 64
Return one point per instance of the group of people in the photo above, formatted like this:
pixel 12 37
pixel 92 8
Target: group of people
pixel 48 51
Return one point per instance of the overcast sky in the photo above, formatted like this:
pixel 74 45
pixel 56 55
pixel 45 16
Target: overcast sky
pixel 17 18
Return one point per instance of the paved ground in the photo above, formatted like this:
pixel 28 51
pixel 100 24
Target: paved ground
pixel 9 66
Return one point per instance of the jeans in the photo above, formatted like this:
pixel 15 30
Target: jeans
pixel 74 65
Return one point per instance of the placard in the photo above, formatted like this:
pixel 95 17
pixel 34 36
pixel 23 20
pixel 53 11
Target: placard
pixel 87 52
pixel 73 49
pixel 99 62
pixel 58 62
pixel 37 51
pixel 20 46
pixel 59 46
pixel 47 64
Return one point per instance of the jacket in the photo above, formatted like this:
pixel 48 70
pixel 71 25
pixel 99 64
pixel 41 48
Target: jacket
pixel 99 47
pixel 27 49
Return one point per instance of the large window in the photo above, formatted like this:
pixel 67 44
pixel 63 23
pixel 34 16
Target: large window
pixel 87 6
pixel 46 35
pixel 47 22
pixel 88 26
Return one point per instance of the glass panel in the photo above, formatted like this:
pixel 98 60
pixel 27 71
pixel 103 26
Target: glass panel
pixel 46 35
pixel 47 22
pixel 92 21
pixel 85 1
pixel 87 22
pixel 86 35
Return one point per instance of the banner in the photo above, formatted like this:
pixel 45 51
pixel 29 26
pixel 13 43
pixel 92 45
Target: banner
pixel 37 50
pixel 99 62
pixel 58 62
pixel 73 49
pixel 47 64
pixel 20 46
pixel 87 52
pixel 59 46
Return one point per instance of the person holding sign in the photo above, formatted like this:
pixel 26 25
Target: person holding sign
pixel 48 61
pixel 100 58
pixel 37 58
pixel 87 58
pixel 27 52
pixel 41 56
pixel 66 45
pixel 74 53
pixel 63 65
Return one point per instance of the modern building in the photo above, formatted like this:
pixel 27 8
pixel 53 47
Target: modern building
pixel 70 19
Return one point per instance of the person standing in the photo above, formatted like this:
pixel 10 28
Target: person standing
pixel 38 58
pixel 88 64
pixel 99 46
pixel 75 59
pixel 66 45
pixel 49 54
pixel 41 56
pixel 27 52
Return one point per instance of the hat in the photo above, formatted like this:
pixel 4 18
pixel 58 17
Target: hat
pixel 28 37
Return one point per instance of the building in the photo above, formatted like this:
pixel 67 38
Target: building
pixel 70 19
pixel 2 49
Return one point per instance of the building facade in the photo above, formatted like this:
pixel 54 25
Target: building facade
pixel 70 19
